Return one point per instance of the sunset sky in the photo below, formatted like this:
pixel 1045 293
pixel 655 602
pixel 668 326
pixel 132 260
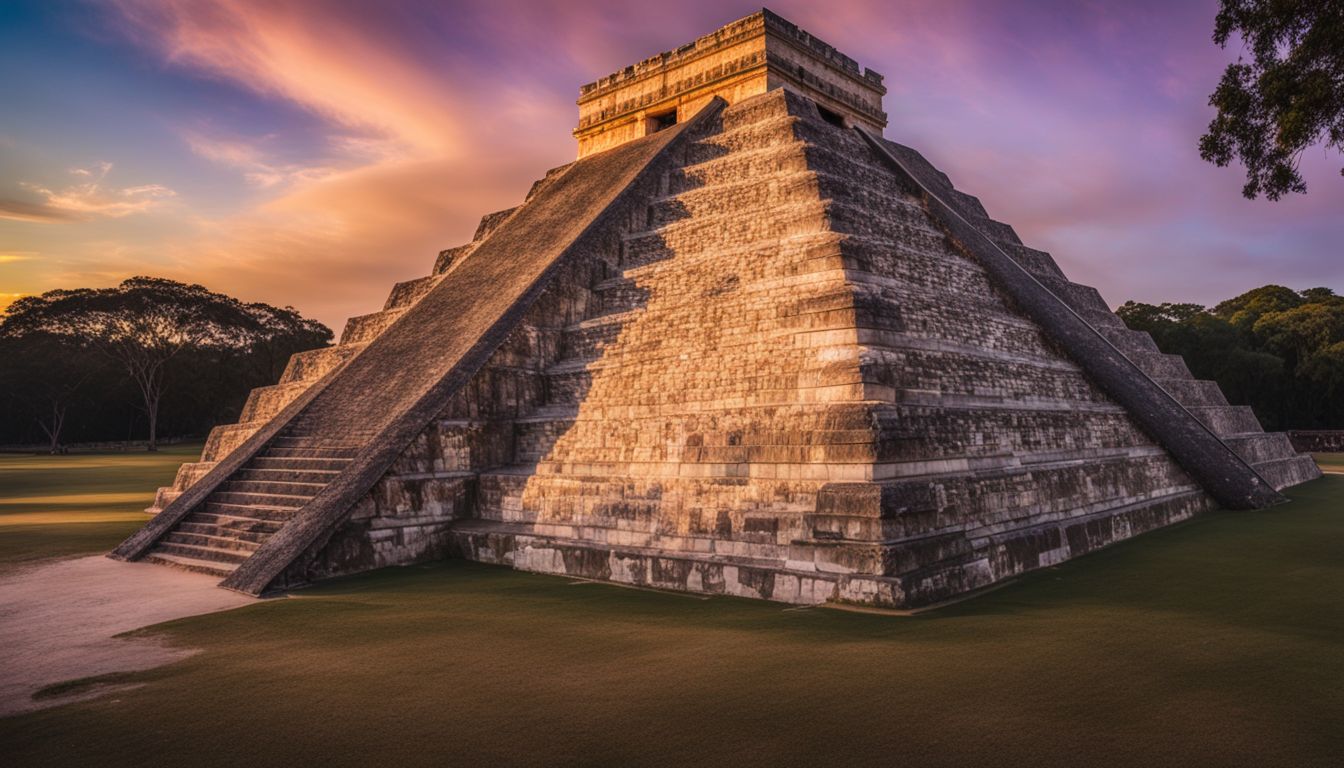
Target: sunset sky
pixel 313 153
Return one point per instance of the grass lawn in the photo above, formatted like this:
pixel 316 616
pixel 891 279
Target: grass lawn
pixel 1330 462
pixel 1216 642
pixel 78 503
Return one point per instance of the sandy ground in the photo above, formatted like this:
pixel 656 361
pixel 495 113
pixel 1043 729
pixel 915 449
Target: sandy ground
pixel 58 619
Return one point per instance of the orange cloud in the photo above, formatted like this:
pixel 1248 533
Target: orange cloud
pixel 257 169
pixel 334 246
pixel 305 55
pixel 86 200
pixel 409 165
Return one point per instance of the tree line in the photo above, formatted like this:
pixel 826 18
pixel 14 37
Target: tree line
pixel 147 359
pixel 1277 350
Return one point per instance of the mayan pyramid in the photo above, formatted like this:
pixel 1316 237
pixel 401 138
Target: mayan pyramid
pixel 743 345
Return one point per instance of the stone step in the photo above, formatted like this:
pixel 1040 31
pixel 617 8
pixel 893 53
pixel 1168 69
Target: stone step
pixel 754 111
pixel 786 158
pixel 299 463
pixel 619 294
pixel 451 257
pixel 319 477
pixel 913 554
pixel 307 367
pixel 408 292
pixel 1002 234
pixel 586 339
pixel 250 518
pixel 1128 341
pixel 1079 297
pixel 223 532
pixel 1159 365
pixel 310 452
pixel 491 221
pixel 500 491
pixel 1227 419
pixel 969 205
pixel 985 500
pixel 198 565
pixel 293 438
pixel 270 487
pixel 754 193
pixel 273 500
pixel 537 433
pixel 1193 392
pixel 210 541
pixel 365 328
pixel 706 233
pixel 190 472
pixel 162 498
pixel 1286 472
pixel 263 403
pixel 1259 447
pixel 225 438
pixel 1100 318
pixel 1038 263
pixel 209 554
pixel 941 579
pixel 568 381
pixel 756 134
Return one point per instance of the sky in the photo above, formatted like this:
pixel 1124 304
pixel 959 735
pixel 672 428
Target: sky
pixel 313 152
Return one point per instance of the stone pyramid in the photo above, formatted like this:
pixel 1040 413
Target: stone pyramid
pixel 745 346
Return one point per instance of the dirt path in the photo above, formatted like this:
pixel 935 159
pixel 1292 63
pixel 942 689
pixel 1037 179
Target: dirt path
pixel 57 622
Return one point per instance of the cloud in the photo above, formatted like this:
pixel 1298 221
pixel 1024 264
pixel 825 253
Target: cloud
pixel 335 246
pixel 11 257
pixel 18 210
pixel 386 131
pixel 311 54
pixel 87 200
pixel 257 169
pixel 413 146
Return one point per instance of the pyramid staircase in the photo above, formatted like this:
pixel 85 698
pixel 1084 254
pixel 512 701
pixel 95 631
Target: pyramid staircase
pixel 255 502
pixel 848 401
pixel 301 472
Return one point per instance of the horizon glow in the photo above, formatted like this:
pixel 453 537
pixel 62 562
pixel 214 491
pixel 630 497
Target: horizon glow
pixel 313 153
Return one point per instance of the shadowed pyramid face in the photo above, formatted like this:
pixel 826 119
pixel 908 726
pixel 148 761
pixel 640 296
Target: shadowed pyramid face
pixel 736 356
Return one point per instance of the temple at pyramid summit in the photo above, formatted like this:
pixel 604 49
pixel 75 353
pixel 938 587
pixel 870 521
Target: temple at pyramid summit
pixel 743 345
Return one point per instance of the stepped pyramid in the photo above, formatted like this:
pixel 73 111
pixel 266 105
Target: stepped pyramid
pixel 743 345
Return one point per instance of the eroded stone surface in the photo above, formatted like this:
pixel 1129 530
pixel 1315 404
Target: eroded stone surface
pixel 770 374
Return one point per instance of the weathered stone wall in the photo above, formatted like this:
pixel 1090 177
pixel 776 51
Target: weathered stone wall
pixel 805 334
pixel 768 372
pixel 738 61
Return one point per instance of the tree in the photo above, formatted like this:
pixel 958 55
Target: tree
pixel 45 374
pixel 1278 350
pixel 1289 97
pixel 1244 310
pixel 1299 333
pixel 146 324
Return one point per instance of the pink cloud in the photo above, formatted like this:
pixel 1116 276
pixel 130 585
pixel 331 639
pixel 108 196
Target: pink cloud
pixel 1075 122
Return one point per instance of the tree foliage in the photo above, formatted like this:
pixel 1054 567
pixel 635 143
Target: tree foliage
pixel 1288 97
pixel 1278 350
pixel 157 335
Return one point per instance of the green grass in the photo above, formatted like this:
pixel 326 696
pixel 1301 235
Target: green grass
pixel 1216 642
pixel 1330 462
pixel 79 503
